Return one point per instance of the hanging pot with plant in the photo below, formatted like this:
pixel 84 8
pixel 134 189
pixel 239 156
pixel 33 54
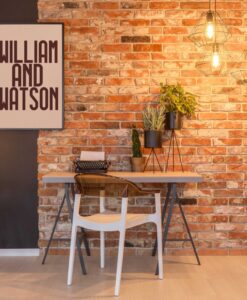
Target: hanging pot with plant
pixel 176 103
pixel 137 160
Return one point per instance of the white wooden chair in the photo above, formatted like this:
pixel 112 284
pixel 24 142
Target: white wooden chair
pixel 105 221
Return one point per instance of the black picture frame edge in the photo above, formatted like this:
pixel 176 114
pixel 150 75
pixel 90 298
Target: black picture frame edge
pixel 44 23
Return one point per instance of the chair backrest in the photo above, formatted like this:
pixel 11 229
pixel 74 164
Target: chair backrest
pixel 122 187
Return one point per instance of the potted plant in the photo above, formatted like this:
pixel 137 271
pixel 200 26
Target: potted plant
pixel 153 119
pixel 137 161
pixel 176 103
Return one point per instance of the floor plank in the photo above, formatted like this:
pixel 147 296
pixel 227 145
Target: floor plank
pixel 218 278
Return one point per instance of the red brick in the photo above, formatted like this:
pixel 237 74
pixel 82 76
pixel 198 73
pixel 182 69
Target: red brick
pixel 228 125
pixel 147 48
pixel 238 133
pixel 228 142
pixel 196 142
pixel 78 125
pixel 211 150
pixel 189 22
pixel 106 5
pixel 134 73
pixel 237 235
pixel 136 22
pixel 135 56
pixel 228 176
pixel 194 5
pixel 212 116
pixel 84 64
pixel 84 30
pixel 163 5
pixel 116 48
pixel 228 193
pixel 120 116
pixel 55 150
pixel 119 81
pixel 175 30
pixel 119 98
pixel 237 116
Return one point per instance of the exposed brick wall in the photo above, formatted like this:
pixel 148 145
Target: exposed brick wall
pixel 116 54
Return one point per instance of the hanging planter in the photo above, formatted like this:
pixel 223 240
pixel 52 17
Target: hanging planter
pixel 173 120
pixel 153 139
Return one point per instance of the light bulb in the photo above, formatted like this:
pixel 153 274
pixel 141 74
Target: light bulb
pixel 215 59
pixel 210 30
pixel 210 25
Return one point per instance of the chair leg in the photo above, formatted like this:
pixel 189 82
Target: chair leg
pixel 72 255
pixel 102 249
pixel 159 248
pixel 119 261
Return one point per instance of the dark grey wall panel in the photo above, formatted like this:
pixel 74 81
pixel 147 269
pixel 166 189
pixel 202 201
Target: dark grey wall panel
pixel 18 189
pixel 18 161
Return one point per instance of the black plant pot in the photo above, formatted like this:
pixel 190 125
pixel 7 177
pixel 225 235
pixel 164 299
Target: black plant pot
pixel 153 139
pixel 173 120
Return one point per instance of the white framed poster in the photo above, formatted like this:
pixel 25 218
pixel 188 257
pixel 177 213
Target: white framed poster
pixel 31 76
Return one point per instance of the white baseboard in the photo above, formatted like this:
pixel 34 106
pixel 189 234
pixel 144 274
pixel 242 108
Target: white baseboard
pixel 19 252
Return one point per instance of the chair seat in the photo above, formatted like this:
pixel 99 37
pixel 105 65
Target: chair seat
pixel 107 219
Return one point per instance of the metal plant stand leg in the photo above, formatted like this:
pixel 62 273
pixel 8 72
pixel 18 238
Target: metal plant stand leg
pixel 172 146
pixel 83 232
pixel 188 230
pixel 154 155
pixel 163 215
pixel 53 229
pixel 169 217
pixel 78 244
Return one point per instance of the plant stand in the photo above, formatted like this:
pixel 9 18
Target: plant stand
pixel 154 155
pixel 171 151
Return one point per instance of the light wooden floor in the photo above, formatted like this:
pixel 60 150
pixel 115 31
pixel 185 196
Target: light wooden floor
pixel 219 278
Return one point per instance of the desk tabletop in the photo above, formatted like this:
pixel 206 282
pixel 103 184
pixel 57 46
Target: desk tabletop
pixel 137 177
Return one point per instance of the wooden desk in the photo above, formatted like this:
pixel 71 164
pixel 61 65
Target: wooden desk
pixel 137 177
pixel 170 178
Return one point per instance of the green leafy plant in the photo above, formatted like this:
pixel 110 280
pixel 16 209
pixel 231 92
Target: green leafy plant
pixel 175 99
pixel 153 117
pixel 136 144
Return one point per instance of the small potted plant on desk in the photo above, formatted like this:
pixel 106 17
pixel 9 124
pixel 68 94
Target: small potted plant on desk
pixel 176 103
pixel 137 161
pixel 153 119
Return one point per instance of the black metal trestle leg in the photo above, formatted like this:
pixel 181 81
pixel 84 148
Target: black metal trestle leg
pixel 53 230
pixel 67 198
pixel 174 199
pixel 188 230
pixel 163 216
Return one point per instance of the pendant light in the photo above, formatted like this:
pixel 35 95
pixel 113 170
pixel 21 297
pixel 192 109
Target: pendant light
pixel 215 61
pixel 209 25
